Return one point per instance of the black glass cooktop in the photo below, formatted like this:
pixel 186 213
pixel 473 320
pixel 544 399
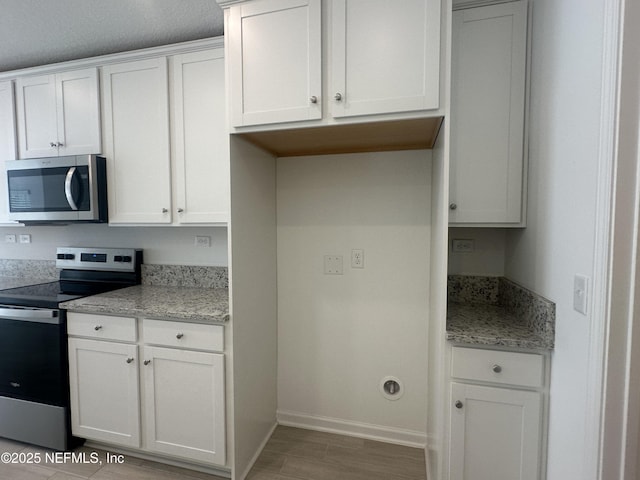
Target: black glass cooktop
pixel 43 295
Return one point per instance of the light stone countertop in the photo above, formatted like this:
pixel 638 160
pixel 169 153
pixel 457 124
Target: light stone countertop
pixel 492 325
pixel 183 304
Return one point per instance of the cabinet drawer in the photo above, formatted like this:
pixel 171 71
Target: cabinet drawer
pixel 523 369
pixel 102 326
pixel 184 335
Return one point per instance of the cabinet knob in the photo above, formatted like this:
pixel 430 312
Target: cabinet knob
pixel 164 210
pixel 97 327
pixel 179 336
pixel 313 99
pixel 458 404
pixel 59 144
pixel 180 210
pixel 129 360
pixel 147 362
pixel 53 144
pixel 338 97
pixel 496 368
pixel 453 206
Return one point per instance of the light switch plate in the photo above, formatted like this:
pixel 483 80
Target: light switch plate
pixel 580 293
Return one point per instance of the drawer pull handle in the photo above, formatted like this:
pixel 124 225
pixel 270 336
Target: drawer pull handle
pixel 97 327
pixel 129 360
pixel 179 336
pixel 147 362
pixel 497 368
pixel 459 404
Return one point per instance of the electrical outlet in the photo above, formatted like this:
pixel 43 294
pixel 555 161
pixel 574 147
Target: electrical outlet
pixel 357 258
pixel 462 246
pixel 25 238
pixel 10 238
pixel 333 264
pixel 202 241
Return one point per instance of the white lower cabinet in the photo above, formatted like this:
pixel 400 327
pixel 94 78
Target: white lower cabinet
pixel 496 424
pixel 105 395
pixel 184 398
pixel 161 392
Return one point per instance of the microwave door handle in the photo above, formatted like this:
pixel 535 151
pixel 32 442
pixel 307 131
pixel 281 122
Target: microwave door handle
pixel 67 188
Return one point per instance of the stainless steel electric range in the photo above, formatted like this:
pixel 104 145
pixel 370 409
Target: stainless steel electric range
pixel 34 373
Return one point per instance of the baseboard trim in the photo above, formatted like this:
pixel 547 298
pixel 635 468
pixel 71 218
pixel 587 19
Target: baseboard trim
pixel 257 454
pixel 380 433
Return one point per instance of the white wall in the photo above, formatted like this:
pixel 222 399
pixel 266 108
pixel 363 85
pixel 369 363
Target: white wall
pixel 566 83
pixel 488 256
pixel 339 335
pixel 162 245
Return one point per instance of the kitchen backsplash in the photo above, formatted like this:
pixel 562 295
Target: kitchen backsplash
pixel 166 275
pixel 185 276
pixel 42 269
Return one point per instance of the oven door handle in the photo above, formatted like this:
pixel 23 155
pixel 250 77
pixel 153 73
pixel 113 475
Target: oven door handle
pixel 30 315
pixel 67 188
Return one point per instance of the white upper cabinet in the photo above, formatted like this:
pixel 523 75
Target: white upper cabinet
pixel 7 143
pixel 380 58
pixel 166 139
pixel 275 61
pixel 200 140
pixel 384 56
pixel 136 141
pixel 59 114
pixel 488 168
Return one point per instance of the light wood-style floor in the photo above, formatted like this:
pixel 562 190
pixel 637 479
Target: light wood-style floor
pixel 290 454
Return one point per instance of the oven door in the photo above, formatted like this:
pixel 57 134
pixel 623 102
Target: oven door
pixel 54 189
pixel 33 357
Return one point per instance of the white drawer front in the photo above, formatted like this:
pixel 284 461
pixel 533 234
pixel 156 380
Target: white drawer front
pixel 495 366
pixel 104 327
pixel 184 335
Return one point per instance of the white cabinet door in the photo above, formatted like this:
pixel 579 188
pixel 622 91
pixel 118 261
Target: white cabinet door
pixel 7 143
pixel 200 141
pixel 59 114
pixel 104 391
pixel 136 141
pixel 78 112
pixel 385 56
pixel 275 61
pixel 487 114
pixel 37 118
pixel 184 403
pixel 495 433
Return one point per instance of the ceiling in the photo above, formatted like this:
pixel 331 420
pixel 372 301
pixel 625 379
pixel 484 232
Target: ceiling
pixel 40 32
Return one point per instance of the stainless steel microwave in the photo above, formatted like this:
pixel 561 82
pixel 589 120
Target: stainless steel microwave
pixel 58 189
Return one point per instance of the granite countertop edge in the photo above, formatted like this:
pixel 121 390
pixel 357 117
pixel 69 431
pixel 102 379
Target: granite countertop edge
pixel 492 326
pixel 503 340
pixel 182 304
